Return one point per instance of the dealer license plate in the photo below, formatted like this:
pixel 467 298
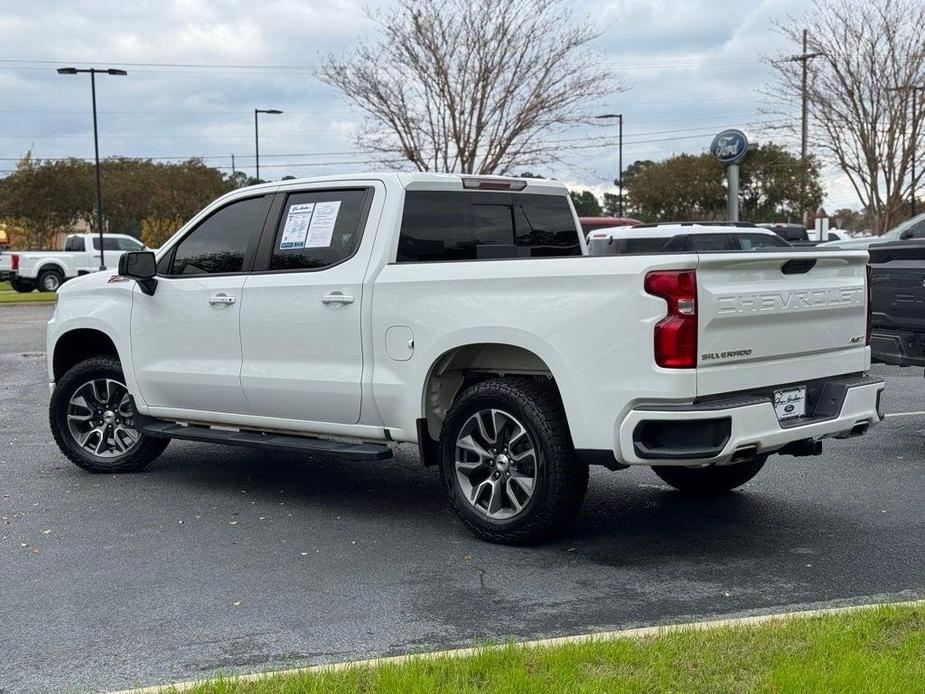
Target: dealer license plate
pixel 790 403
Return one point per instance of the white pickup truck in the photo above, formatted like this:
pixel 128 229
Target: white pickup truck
pixel 338 316
pixel 48 270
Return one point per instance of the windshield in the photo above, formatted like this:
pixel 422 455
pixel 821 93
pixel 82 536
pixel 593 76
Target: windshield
pixel 896 232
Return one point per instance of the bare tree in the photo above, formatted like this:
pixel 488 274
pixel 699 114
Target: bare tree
pixel 858 120
pixel 471 86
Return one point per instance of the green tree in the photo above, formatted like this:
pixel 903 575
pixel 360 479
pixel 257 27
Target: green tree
pixel 693 187
pixel 45 197
pixel 683 187
pixel 611 205
pixel 586 203
pixel 770 185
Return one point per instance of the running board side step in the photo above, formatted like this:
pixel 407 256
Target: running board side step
pixel 249 439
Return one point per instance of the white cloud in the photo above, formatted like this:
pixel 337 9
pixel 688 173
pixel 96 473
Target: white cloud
pixel 713 48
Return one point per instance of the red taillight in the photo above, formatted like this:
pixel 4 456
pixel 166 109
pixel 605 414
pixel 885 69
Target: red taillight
pixel 676 334
pixel 14 261
pixel 870 308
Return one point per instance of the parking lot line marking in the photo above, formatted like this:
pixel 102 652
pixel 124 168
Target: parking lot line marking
pixel 904 414
pixel 637 633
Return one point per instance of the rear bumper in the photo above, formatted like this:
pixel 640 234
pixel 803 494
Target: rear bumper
pixel 726 430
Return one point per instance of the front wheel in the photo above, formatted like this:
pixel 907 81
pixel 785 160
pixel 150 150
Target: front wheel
pixel 712 479
pixel 93 420
pixel 507 461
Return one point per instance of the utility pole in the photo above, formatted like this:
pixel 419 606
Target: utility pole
pixel 619 180
pixel 234 171
pixel 804 58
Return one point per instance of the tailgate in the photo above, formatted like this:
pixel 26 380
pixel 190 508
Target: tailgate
pixel 898 286
pixel 772 318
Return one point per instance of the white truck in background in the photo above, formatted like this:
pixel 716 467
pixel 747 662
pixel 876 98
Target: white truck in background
pixel 48 270
pixel 337 316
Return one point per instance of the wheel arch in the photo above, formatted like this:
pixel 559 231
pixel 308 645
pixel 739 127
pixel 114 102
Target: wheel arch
pixel 75 345
pixel 50 264
pixel 468 363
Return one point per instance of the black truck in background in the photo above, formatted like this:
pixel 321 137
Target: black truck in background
pixel 898 303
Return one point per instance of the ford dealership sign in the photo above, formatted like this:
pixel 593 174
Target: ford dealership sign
pixel 730 146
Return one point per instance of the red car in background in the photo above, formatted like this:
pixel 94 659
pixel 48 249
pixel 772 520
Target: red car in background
pixel 589 224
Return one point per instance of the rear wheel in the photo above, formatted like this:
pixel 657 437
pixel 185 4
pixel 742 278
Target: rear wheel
pixel 50 280
pixel 22 285
pixel 94 423
pixel 508 462
pixel 709 480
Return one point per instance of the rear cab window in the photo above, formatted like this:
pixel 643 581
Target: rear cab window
pixel 439 226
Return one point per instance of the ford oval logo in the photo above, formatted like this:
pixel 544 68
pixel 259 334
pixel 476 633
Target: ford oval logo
pixel 730 146
pixel 789 408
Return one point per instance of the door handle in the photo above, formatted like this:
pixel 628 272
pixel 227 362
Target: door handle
pixel 337 298
pixel 221 299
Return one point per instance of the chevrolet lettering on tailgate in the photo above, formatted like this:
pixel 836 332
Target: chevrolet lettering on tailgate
pixel 790 301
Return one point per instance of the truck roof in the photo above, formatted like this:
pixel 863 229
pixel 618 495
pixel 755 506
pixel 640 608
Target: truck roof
pixel 426 180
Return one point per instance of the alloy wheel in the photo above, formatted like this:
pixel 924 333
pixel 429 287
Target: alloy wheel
pixel 100 418
pixel 496 464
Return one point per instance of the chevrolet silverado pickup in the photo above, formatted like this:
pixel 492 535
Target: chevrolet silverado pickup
pixel 340 316
pixel 48 270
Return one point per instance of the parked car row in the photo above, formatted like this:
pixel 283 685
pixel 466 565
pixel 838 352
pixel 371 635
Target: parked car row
pixel 677 237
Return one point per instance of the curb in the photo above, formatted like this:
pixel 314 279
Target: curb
pixel 636 633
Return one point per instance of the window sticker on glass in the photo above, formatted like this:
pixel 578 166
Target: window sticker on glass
pixel 321 228
pixel 297 224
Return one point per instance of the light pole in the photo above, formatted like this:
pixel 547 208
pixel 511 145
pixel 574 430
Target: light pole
pixel 272 111
pixel 96 141
pixel 915 89
pixel 618 116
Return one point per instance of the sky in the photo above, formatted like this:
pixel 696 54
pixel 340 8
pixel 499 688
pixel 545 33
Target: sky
pixel 198 68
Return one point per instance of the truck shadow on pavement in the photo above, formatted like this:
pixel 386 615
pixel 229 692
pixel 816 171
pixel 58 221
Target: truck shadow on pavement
pixel 629 518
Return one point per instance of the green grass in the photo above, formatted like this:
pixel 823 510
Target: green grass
pixel 877 650
pixel 8 296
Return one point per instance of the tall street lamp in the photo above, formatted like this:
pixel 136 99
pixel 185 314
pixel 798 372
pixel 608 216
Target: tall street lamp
pixel 618 116
pixel 93 72
pixel 271 111
pixel 915 89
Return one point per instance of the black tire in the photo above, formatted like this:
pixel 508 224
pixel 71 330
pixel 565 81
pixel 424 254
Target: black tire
pixel 136 458
pixel 560 480
pixel 21 285
pixel 50 280
pixel 711 480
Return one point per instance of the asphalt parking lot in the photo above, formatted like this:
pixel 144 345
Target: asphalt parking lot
pixel 222 559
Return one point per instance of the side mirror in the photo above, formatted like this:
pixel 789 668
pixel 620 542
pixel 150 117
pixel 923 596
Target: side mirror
pixel 140 266
pixel 906 235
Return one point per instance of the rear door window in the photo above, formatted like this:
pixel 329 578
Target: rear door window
pixel 318 229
